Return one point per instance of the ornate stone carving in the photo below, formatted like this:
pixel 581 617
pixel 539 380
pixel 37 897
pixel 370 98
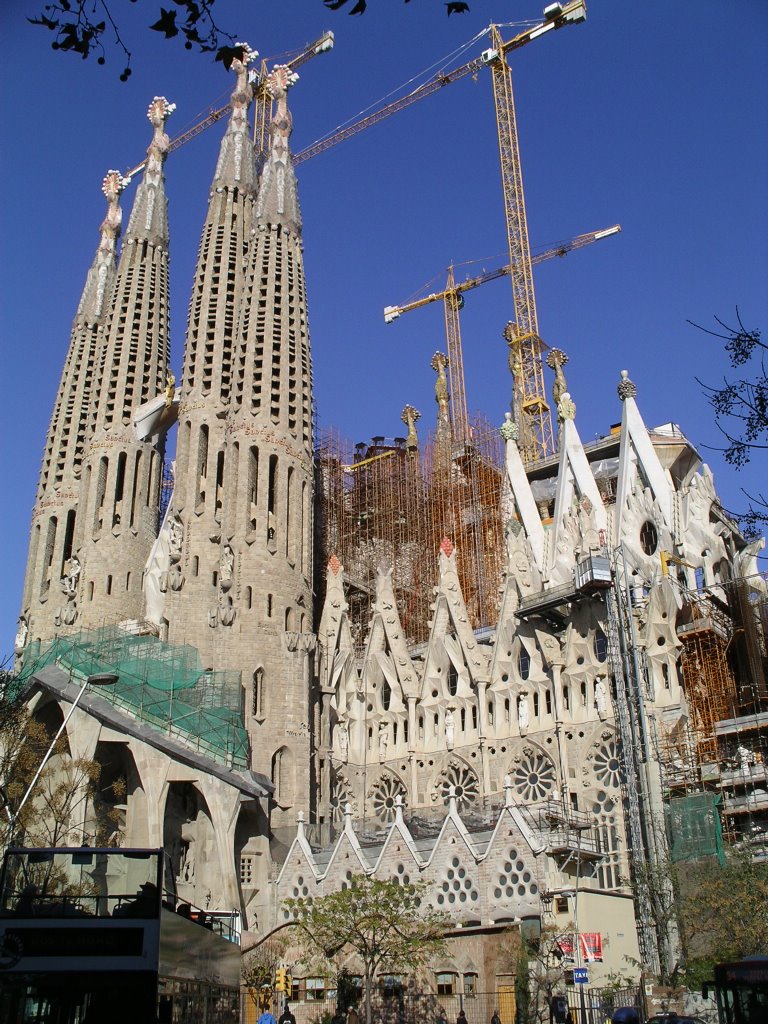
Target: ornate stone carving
pixel 626 388
pixel 410 417
pixel 509 429
pixel 556 360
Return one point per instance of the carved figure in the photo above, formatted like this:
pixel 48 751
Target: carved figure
pixel 522 713
pixel 175 537
pixel 22 632
pixel 170 389
pixel 343 736
pixel 227 564
pixel 383 741
pixel 601 699
pixel 70 581
pixel 449 729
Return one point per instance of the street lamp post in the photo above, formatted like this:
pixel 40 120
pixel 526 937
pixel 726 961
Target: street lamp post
pixel 99 679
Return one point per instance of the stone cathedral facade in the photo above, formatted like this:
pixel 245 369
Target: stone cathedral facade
pixel 515 764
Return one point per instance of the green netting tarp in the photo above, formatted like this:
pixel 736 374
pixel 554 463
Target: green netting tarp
pixel 161 684
pixel 693 825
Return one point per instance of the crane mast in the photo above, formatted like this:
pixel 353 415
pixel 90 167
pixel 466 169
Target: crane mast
pixel 451 297
pixel 530 408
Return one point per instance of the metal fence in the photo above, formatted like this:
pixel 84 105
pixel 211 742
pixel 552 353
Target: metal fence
pixel 587 1006
pixel 596 1005
pixel 404 1007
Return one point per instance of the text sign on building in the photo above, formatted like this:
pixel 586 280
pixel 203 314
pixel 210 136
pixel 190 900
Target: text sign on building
pixel 580 976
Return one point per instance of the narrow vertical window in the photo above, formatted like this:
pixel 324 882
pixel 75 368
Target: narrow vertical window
pixel 101 490
pixel 117 510
pixel 257 698
pixel 253 486
pixel 202 464
pixel 135 489
pixel 219 495
pixel 272 497
pixel 289 529
pixel 50 544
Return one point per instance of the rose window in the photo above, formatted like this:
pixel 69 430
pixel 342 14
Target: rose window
pixel 607 764
pixel 341 795
pixel 464 782
pixel 385 792
pixel 534 776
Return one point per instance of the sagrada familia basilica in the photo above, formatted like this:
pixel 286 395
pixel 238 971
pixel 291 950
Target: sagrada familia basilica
pixel 526 699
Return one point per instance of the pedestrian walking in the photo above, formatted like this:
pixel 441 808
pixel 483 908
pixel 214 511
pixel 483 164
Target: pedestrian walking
pixel 441 1018
pixel 353 1017
pixel 495 1019
pixel 287 1017
pixel 462 1018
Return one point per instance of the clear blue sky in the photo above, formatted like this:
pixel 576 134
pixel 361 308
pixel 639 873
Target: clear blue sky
pixel 650 114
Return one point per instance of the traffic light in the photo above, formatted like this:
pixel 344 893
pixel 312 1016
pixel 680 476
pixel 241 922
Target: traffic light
pixel 288 982
pixel 281 980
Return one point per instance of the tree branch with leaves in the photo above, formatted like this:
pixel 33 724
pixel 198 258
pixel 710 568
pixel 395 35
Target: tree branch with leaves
pixel 741 404
pixel 386 927
pixel 87 27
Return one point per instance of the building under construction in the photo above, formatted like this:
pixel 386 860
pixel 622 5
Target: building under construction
pixel 501 631
pixel 385 502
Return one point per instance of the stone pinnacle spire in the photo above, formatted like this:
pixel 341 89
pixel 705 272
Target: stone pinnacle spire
pixel 149 216
pixel 278 201
pixel 120 490
pixel 236 166
pixel 52 577
pixel 93 302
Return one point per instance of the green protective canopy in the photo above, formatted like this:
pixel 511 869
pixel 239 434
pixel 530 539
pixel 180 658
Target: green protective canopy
pixel 161 684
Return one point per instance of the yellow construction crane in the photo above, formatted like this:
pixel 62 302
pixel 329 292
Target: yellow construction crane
pixel 530 405
pixel 452 298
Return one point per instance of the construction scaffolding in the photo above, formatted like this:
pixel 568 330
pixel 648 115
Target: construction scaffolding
pixel 163 685
pixel 385 503
pixel 719 751
pixel 708 679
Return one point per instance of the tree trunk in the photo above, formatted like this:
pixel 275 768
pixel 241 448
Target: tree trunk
pixel 368 987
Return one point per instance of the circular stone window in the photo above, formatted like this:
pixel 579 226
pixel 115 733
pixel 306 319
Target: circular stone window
pixel 649 537
pixel 464 782
pixel 385 793
pixel 534 776
pixel 607 764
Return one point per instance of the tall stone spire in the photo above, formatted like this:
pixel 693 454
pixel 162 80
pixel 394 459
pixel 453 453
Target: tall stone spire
pixel 278 201
pixel 121 483
pixel 199 582
pixel 243 501
pixel 52 580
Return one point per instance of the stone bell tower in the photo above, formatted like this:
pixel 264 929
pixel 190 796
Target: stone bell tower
pixel 241 514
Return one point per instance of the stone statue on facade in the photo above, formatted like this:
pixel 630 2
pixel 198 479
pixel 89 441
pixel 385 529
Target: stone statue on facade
pixel 343 737
pixel 601 700
pixel 22 632
pixel 70 581
pixel 449 729
pixel 522 713
pixel 383 741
